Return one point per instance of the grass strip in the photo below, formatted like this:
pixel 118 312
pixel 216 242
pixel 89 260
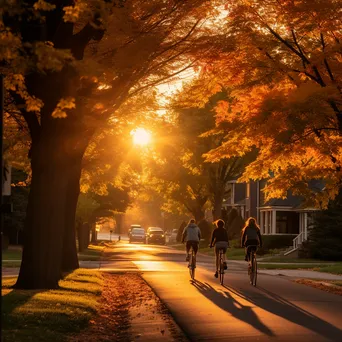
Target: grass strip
pixel 334 269
pixel 50 315
pixel 334 287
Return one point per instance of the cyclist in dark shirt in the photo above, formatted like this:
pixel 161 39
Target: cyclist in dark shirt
pixel 219 238
pixel 250 236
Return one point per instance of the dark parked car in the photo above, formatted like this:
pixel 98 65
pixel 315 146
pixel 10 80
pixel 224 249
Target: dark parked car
pixel 155 235
pixel 137 235
pixel 131 227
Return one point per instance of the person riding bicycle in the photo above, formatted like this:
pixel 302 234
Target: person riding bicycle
pixel 250 236
pixel 192 236
pixel 219 239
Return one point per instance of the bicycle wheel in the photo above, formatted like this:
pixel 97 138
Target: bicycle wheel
pixel 255 270
pixel 251 269
pixel 192 265
pixel 221 269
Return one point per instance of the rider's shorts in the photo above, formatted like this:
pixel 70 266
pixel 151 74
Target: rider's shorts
pixel 221 245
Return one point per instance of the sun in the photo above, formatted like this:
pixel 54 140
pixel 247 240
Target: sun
pixel 141 136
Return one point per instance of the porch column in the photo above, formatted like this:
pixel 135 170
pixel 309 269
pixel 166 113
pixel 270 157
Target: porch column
pixel 305 226
pixel 262 228
pixel 274 222
pixel 266 222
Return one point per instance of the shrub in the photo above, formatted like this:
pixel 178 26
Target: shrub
pixel 271 242
pixel 234 224
pixel 206 229
pixel 325 238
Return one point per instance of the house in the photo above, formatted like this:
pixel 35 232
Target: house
pixel 276 216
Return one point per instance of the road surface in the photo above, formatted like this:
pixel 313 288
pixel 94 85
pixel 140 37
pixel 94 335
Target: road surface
pixel 277 310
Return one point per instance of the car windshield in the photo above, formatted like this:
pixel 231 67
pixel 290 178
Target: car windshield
pixel 138 231
pixel 156 231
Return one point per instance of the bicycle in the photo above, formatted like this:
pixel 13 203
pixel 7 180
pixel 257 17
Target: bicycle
pixel 253 265
pixel 221 263
pixel 192 264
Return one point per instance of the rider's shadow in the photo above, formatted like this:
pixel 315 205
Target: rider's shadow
pixel 226 302
pixel 279 306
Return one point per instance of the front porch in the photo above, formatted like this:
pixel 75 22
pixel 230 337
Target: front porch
pixel 279 220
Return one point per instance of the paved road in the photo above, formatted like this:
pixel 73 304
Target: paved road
pixel 277 310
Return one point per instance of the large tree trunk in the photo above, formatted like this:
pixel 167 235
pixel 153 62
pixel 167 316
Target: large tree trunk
pixel 70 258
pixel 45 219
pixel 198 213
pixel 217 210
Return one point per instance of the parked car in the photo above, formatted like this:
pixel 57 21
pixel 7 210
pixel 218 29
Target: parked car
pixel 137 235
pixel 155 235
pixel 131 227
pixel 173 237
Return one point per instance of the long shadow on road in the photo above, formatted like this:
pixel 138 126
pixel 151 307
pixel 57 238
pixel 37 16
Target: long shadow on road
pixel 226 302
pixel 281 307
pixel 269 302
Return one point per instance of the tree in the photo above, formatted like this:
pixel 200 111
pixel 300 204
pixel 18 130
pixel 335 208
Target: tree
pixel 282 60
pixel 325 237
pixel 90 57
pixel 180 172
pixel 195 125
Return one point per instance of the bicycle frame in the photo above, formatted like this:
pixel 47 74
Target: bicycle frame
pixel 192 264
pixel 253 267
pixel 221 269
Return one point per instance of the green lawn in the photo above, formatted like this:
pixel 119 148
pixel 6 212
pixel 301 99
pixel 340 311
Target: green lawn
pixel 50 315
pixel 232 253
pixel 293 260
pixel 335 269
pixel 337 282
pixel 12 253
pixel 93 252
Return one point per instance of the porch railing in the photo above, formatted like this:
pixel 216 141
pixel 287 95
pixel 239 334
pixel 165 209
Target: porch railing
pixel 298 240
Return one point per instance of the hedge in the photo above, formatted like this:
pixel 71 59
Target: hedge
pixel 276 242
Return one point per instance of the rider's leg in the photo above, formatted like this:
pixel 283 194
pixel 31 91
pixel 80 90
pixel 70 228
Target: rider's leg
pixel 187 246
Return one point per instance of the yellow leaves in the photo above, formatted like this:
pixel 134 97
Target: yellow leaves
pixel 43 6
pixel 16 83
pixel 33 104
pixel 9 44
pixel 73 13
pixel 49 58
pixel 63 104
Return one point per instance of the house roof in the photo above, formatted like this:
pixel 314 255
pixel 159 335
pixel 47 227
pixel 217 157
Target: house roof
pixel 296 202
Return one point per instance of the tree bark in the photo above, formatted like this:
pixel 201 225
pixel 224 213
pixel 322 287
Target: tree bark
pixel 217 210
pixel 70 258
pixel 198 213
pixel 45 219
pixel 93 233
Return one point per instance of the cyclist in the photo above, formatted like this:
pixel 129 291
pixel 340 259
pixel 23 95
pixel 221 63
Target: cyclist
pixel 219 239
pixel 192 236
pixel 250 236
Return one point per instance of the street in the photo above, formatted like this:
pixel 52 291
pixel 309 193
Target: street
pixel 278 309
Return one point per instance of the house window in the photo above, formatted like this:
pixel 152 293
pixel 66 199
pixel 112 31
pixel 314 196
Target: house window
pixel 287 222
